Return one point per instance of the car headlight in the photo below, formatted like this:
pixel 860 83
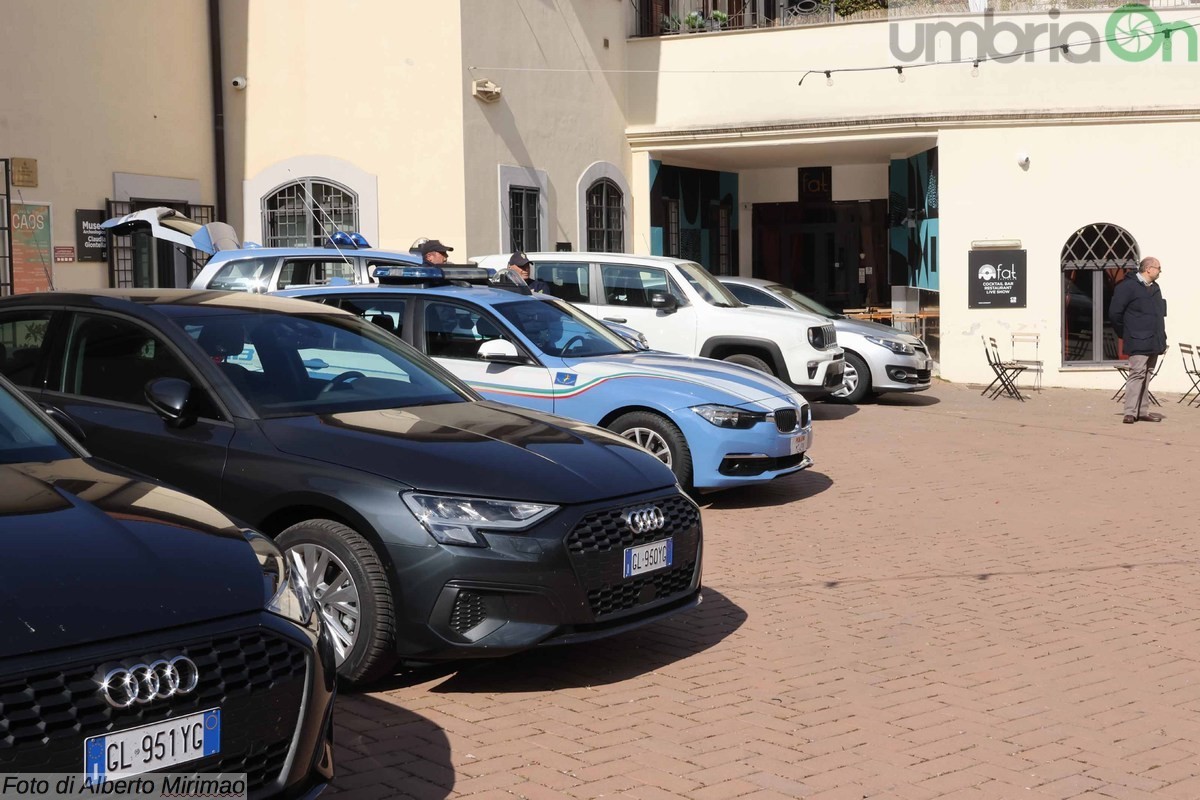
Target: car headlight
pixel 283 593
pixel 895 345
pixel 462 520
pixel 729 417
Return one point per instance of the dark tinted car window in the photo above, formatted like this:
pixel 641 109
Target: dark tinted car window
pixel 456 331
pixel 386 312
pixel 23 437
pixel 565 280
pixel 288 364
pixel 21 337
pixel 754 297
pixel 113 359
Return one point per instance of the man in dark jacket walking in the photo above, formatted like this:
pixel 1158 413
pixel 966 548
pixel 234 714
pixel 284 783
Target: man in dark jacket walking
pixel 1138 314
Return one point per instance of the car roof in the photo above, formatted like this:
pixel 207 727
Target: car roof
pixel 738 279
pixel 483 295
pixel 315 252
pixel 586 257
pixel 163 299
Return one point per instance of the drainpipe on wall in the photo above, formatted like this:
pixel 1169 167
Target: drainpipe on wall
pixel 214 47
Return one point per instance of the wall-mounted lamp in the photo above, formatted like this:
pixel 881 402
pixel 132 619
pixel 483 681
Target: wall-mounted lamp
pixel 485 90
pixel 996 244
pixel 1023 160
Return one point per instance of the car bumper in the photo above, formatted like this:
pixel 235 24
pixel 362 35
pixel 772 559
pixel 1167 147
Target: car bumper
pixel 561 582
pixel 723 458
pixel 892 373
pixel 272 680
pixel 819 379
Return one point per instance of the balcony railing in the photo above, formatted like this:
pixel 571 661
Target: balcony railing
pixel 682 17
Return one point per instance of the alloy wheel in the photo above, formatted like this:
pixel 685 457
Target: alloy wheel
pixel 651 441
pixel 333 589
pixel 849 381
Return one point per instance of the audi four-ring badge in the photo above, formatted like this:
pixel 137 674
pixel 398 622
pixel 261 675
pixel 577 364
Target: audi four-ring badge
pixel 642 520
pixel 135 613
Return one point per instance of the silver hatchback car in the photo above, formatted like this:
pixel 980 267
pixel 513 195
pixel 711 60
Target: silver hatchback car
pixel 879 358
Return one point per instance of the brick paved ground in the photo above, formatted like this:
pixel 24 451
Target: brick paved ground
pixel 964 599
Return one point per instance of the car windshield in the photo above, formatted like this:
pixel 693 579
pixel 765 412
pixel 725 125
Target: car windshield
pixel 557 329
pixel 709 287
pixel 24 437
pixel 801 300
pixel 295 364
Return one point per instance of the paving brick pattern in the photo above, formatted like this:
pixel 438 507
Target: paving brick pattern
pixel 963 599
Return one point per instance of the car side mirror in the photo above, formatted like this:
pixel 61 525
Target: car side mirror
pixel 169 398
pixel 501 351
pixel 664 301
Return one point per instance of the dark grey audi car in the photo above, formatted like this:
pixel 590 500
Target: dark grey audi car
pixel 141 630
pixel 427 523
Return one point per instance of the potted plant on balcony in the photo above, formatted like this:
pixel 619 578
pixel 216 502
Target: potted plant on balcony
pixel 718 20
pixel 670 24
pixel 694 21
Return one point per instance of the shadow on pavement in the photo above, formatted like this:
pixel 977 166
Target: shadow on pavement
pixel 384 750
pixel 776 493
pixel 593 663
pixel 831 411
pixel 900 400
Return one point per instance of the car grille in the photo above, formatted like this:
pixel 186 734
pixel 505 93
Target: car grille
pixel 255 678
pixel 786 419
pixel 822 337
pixel 597 550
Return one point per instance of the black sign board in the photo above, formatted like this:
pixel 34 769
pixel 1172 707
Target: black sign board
pixel 816 183
pixel 91 243
pixel 996 279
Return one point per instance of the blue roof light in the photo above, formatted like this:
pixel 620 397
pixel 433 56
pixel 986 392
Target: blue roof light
pixel 389 274
pixel 341 239
pixel 359 239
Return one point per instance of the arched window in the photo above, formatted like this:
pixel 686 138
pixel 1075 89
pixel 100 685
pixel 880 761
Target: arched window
pixel 605 218
pixel 306 212
pixel 1094 260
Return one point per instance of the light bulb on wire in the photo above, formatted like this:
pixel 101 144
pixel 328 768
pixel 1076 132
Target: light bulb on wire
pixel 900 74
pixel 828 78
pixel 975 69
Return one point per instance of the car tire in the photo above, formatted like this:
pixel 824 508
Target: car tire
pixel 661 438
pixel 753 362
pixel 327 554
pixel 857 381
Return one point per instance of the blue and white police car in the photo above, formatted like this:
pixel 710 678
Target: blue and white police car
pixel 716 424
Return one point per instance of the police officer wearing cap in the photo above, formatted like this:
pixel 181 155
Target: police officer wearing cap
pixel 520 263
pixel 434 252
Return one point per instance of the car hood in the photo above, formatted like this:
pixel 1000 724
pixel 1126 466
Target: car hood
pixel 78 538
pixel 705 380
pixel 482 449
pixel 867 328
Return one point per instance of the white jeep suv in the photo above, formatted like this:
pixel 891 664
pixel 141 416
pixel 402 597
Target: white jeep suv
pixel 682 308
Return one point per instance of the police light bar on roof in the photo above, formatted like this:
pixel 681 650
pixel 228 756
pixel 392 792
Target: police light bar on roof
pixel 349 239
pixel 427 274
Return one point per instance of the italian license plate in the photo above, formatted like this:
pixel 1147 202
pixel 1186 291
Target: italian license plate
pixel 800 443
pixel 648 557
pixel 123 754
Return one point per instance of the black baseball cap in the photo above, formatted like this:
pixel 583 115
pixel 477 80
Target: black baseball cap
pixel 518 259
pixel 433 246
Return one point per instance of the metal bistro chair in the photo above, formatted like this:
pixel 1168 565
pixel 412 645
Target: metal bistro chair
pixel 1192 371
pixel 1006 372
pixel 1033 365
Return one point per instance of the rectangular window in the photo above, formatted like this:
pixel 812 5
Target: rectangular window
pixel 566 280
pixel 671 239
pixel 724 244
pixel 22 335
pixel 309 272
pixel 523 218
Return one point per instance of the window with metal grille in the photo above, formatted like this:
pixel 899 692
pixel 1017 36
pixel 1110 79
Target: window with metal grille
pixel 1094 260
pixel 605 218
pixel 671 239
pixel 523 218
pixel 305 213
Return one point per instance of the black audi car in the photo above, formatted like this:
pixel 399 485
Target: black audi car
pixel 427 523
pixel 133 613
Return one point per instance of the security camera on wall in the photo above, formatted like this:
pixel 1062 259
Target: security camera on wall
pixel 239 82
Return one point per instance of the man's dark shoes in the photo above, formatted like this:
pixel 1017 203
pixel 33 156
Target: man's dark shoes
pixel 1129 419
pixel 1151 418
